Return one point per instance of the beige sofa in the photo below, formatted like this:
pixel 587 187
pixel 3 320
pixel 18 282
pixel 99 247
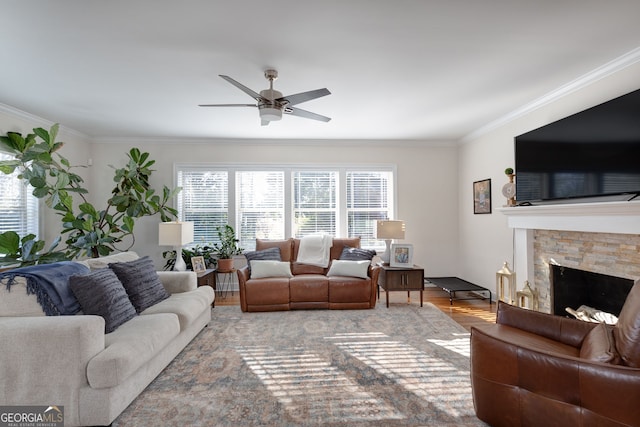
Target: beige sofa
pixel 70 361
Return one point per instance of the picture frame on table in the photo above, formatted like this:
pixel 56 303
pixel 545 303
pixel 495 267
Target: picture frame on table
pixel 197 263
pixel 401 255
pixel 482 197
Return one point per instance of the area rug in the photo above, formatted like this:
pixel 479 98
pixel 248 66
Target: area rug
pixel 399 366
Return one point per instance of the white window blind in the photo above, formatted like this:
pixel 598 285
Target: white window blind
pixel 18 207
pixel 368 197
pixel 278 202
pixel 315 206
pixel 260 206
pixel 204 201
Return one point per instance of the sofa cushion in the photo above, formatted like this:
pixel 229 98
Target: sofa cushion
pixel 131 347
pixel 103 262
pixel 101 293
pixel 339 243
pixel 357 254
pixel 349 289
pixel 309 288
pixel 188 306
pixel 141 281
pixel 263 268
pixel 349 268
pixel 598 345
pixel 16 302
pixel 271 254
pixel 285 247
pixel 269 291
pixel 627 330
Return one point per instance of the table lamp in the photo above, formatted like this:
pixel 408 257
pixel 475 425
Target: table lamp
pixel 389 230
pixel 176 234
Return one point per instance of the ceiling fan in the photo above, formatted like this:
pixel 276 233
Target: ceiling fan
pixel 271 104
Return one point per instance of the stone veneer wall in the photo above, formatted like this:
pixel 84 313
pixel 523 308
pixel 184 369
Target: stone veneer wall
pixel 605 253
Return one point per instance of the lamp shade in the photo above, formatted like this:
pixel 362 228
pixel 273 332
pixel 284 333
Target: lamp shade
pixel 390 229
pixel 175 233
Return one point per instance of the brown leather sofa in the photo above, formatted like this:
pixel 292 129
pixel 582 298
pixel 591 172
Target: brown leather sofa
pixel 310 287
pixel 537 369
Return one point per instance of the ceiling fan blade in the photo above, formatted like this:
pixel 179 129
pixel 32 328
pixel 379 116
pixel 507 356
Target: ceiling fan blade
pixel 301 97
pixel 228 105
pixel 306 114
pixel 243 88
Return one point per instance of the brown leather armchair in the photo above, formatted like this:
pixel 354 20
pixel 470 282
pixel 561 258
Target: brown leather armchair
pixel 537 369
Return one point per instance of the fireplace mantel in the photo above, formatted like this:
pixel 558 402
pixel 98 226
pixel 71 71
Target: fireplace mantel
pixel 609 217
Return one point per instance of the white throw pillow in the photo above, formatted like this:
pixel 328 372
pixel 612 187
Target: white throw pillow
pixel 349 268
pixel 263 268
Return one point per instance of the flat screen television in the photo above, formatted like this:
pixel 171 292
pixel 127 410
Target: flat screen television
pixel 592 155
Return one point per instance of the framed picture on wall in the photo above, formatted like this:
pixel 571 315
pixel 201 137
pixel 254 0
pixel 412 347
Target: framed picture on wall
pixel 401 255
pixel 482 197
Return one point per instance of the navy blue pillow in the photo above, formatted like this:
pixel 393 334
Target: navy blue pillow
pixel 141 281
pixel 357 254
pixel 269 254
pixel 101 293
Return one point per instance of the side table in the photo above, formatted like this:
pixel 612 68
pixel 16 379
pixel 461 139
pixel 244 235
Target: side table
pixel 401 279
pixel 225 279
pixel 208 278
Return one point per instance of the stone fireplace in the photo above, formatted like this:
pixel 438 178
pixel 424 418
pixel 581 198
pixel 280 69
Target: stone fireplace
pixel 596 237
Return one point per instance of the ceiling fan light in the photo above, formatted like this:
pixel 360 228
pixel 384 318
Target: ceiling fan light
pixel 270 113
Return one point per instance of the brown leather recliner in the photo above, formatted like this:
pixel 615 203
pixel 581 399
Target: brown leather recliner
pixel 537 369
pixel 310 287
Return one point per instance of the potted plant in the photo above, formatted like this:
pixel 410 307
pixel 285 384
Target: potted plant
pixel 206 251
pixel 226 248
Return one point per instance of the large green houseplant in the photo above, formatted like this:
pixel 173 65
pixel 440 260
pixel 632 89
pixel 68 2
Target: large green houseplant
pixel 90 230
pixel 226 247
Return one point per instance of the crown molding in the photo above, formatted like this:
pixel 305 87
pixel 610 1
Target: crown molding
pixel 628 59
pixel 38 121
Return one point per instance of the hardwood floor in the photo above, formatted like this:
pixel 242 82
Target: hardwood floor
pixel 466 312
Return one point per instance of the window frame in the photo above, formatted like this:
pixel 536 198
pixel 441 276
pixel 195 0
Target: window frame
pixel 288 169
pixel 33 214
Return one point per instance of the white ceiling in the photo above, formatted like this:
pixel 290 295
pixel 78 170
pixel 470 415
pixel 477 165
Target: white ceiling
pixel 397 69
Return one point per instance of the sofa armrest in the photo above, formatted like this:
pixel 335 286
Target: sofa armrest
pixel 243 276
pixel 563 329
pixel 44 359
pixel 178 281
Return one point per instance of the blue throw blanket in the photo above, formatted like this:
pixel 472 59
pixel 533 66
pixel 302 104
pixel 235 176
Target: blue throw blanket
pixel 50 283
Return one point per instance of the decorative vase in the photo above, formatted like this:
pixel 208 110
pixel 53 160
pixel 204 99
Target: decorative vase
pixel 225 265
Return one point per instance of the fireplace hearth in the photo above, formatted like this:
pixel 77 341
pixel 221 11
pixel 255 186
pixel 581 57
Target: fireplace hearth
pixel 571 287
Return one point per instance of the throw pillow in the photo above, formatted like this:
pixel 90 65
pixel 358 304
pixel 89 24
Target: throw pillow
pixel 141 281
pixel 270 254
pixel 101 293
pixel 349 268
pixel 264 268
pixel 598 346
pixel 357 254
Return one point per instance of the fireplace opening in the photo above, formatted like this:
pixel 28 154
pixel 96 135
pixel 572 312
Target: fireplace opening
pixel 573 288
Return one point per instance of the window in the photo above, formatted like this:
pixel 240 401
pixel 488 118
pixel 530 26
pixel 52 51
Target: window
pixel 368 196
pixel 315 203
pixel 204 201
pixel 260 201
pixel 18 207
pixel 273 202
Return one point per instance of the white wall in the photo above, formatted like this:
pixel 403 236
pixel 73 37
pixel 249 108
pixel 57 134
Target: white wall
pixel 427 182
pixel 485 241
